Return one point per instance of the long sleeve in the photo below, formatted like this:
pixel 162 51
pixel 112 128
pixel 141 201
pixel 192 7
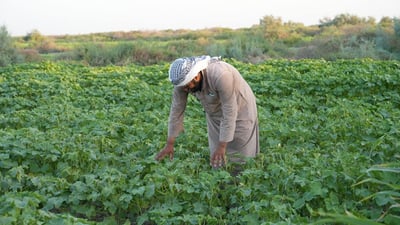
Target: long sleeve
pixel 178 106
pixel 225 85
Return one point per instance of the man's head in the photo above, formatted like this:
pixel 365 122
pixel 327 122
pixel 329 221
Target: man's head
pixel 183 70
pixel 195 84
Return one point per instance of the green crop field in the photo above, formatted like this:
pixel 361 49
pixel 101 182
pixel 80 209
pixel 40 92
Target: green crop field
pixel 77 146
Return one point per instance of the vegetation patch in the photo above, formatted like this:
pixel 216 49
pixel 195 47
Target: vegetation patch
pixel 77 146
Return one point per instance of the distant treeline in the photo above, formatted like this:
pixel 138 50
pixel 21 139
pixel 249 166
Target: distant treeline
pixel 341 37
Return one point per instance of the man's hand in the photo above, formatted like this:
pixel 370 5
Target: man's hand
pixel 167 150
pixel 218 158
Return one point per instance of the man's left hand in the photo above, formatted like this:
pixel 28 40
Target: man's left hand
pixel 218 158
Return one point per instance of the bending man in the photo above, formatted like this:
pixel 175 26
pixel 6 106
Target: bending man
pixel 228 101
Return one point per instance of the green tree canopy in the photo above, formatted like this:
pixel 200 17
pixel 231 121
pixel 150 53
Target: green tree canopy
pixel 346 19
pixel 8 53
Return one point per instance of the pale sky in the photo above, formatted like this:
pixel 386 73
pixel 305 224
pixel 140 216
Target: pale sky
pixel 57 17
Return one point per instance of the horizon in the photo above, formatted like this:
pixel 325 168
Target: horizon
pixel 73 17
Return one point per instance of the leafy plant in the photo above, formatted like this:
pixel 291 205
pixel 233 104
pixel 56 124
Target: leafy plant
pixel 77 146
pixel 8 52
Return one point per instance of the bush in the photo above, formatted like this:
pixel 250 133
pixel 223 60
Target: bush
pixel 8 53
pixel 120 54
pixel 30 55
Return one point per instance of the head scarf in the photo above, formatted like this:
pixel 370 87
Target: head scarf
pixel 183 70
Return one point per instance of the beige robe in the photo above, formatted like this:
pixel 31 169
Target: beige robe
pixel 230 107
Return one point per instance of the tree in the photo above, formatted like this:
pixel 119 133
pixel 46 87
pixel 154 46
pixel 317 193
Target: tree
pixel 8 53
pixel 346 19
pixel 41 43
pixel 273 28
pixel 396 27
pixel 35 36
pixel 386 22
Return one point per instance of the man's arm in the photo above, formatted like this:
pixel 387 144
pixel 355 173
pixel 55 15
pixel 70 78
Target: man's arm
pixel 175 122
pixel 225 86
pixel 176 115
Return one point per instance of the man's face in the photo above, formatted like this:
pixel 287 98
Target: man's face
pixel 194 85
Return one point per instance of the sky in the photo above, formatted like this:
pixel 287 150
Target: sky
pixel 59 17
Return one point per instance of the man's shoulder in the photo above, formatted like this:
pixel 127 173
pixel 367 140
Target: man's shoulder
pixel 218 67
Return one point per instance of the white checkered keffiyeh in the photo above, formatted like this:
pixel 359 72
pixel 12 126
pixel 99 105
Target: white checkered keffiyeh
pixel 183 70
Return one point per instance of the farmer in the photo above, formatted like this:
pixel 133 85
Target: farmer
pixel 228 101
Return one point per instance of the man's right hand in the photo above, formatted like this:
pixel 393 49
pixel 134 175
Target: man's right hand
pixel 168 150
